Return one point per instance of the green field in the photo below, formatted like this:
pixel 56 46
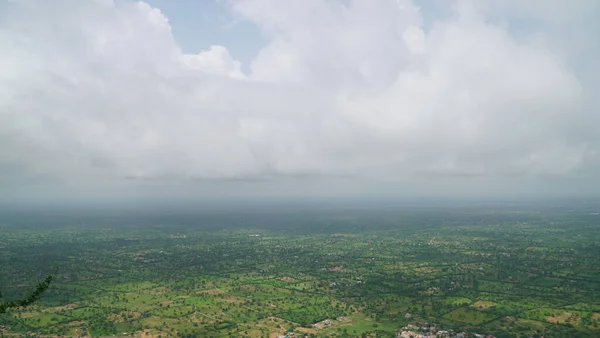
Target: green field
pixel 323 273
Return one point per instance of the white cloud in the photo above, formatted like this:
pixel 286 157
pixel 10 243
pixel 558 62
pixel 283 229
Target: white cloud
pixel 216 60
pixel 97 93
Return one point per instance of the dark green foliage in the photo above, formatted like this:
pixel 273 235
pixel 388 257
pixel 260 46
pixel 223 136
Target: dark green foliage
pixel 30 299
pixel 308 315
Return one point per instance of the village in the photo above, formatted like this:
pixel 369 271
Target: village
pixel 431 331
pixel 425 330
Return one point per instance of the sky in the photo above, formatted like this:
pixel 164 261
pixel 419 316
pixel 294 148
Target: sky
pixel 108 99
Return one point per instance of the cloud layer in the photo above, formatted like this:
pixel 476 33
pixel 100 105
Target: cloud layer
pixel 97 93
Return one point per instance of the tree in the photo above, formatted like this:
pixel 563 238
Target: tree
pixel 33 297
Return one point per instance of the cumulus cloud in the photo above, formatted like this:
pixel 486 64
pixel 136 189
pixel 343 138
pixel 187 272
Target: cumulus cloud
pixel 96 93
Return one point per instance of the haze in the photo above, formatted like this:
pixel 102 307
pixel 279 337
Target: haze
pixel 267 98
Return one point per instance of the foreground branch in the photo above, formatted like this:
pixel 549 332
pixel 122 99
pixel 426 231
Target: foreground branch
pixel 34 296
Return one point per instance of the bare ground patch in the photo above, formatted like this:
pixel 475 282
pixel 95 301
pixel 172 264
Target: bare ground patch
pixel 67 307
pixel 483 304
pixel 427 269
pixel 563 318
pixel 213 292
pixel 149 333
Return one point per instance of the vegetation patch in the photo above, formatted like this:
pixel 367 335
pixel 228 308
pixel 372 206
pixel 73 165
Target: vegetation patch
pixel 468 315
